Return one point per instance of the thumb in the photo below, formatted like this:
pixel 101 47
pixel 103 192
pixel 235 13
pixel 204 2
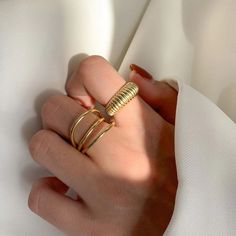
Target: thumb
pixel 159 95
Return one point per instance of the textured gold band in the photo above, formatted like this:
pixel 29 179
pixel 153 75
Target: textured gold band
pixel 124 95
pixel 76 122
pixel 98 137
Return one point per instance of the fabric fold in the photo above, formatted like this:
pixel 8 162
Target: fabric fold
pixel 205 141
pixel 205 137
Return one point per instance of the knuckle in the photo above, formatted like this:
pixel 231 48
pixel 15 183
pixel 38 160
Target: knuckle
pixel 35 196
pixel 72 86
pixel 39 144
pixel 53 104
pixel 87 63
pixel 69 86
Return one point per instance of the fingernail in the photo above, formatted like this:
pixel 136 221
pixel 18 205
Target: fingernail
pixel 143 73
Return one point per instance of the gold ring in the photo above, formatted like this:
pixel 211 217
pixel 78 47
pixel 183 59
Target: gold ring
pixel 121 98
pixel 89 132
pixel 76 122
pixel 100 135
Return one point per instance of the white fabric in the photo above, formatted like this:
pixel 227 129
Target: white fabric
pixel 194 42
pixel 191 41
pixel 37 39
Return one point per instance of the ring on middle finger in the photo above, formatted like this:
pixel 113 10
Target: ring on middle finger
pixel 83 145
pixel 77 121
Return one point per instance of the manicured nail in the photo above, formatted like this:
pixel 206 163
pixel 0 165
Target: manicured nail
pixel 140 71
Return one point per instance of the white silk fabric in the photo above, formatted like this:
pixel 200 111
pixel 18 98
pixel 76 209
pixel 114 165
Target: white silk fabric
pixel 37 39
pixel 192 42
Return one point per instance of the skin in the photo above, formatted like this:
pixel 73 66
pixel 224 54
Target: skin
pixel 126 184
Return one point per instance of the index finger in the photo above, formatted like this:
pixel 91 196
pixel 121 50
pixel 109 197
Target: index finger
pixel 95 77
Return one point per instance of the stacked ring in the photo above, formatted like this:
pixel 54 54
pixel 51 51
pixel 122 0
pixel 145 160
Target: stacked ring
pixel 121 98
pixel 99 136
pixel 77 121
pixel 88 133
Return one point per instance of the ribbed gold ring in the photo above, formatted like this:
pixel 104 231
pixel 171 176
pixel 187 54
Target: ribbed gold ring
pixel 100 135
pixel 76 122
pixel 121 98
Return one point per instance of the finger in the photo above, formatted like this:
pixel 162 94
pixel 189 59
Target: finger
pixel 47 200
pixel 59 112
pixel 70 166
pixel 159 95
pixel 77 91
pixel 99 79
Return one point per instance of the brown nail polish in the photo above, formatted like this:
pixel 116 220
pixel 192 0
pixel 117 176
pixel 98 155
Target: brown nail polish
pixel 140 71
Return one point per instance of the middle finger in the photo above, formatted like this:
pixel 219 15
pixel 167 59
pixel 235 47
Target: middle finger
pixel 58 115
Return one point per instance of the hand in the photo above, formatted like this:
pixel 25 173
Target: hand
pixel 127 183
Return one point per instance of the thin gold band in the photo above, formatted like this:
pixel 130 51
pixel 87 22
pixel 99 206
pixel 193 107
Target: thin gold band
pixel 98 137
pixel 89 132
pixel 76 122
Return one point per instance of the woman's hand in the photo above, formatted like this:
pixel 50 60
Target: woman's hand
pixel 127 183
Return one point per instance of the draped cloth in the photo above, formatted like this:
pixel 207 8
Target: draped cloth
pixel 191 42
pixel 194 43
